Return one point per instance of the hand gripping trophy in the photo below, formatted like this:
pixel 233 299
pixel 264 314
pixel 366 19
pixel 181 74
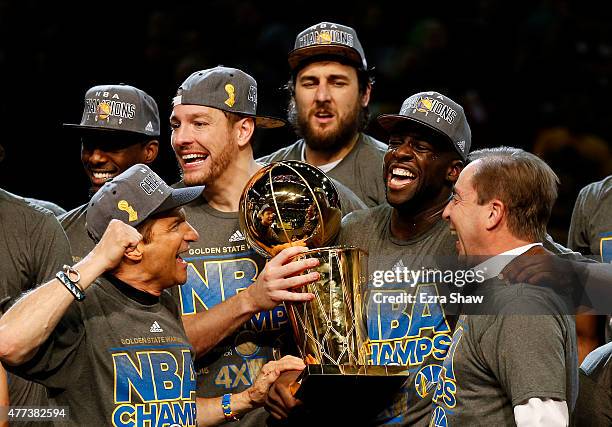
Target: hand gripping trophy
pixel 292 203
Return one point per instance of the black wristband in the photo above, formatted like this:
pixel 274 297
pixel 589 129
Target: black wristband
pixel 76 292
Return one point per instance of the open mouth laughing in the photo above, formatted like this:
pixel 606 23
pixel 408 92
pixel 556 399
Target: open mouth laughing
pixel 193 159
pixel 399 177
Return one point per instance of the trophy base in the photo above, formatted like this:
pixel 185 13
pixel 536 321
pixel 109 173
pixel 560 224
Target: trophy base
pixel 364 390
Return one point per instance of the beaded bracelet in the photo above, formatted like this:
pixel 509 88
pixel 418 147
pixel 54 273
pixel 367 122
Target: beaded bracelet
pixel 227 410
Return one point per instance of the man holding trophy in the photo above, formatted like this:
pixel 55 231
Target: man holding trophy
pixel 234 322
pixel 429 141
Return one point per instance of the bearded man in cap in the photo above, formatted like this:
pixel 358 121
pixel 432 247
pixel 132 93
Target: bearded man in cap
pixel 330 89
pixel 236 321
pixel 119 128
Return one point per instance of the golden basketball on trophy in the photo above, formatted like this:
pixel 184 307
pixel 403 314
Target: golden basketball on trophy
pixel 289 203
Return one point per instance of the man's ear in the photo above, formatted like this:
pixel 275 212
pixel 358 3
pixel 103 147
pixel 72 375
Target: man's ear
pixel 151 149
pixel 497 211
pixel 453 171
pixel 365 98
pixel 135 255
pixel 245 128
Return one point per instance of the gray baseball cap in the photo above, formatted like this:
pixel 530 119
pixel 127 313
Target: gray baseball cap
pixel 437 112
pixel 227 89
pixel 132 197
pixel 119 108
pixel 327 38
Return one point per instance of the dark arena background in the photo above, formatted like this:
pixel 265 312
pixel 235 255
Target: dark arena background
pixel 530 74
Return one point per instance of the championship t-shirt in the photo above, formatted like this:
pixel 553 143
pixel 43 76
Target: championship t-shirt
pixel 118 358
pixel 220 265
pixel 413 333
pixel 590 231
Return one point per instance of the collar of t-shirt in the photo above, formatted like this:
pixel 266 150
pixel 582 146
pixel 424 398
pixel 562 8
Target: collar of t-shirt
pixel 326 167
pixel 494 265
pixel 132 293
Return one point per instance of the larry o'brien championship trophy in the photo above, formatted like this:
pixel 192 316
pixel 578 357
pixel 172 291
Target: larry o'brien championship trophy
pixel 291 203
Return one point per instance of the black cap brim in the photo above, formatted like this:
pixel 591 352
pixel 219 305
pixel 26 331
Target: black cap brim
pixel 179 197
pixel 299 55
pixel 78 128
pixel 389 121
pixel 267 122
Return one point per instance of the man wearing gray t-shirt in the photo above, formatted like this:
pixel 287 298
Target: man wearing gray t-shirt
pixel 234 322
pixel 429 140
pixel 33 248
pixel 590 233
pixel 111 141
pixel 513 357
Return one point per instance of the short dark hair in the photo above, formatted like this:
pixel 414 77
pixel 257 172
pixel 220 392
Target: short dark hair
pixel 365 77
pixel 523 182
pixel 146 229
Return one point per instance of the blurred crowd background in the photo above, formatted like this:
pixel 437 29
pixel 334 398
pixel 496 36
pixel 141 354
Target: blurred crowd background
pixel 530 74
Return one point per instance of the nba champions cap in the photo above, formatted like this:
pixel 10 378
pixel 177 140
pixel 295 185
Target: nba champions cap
pixel 132 197
pixel 327 39
pixel 437 112
pixel 119 108
pixel 227 89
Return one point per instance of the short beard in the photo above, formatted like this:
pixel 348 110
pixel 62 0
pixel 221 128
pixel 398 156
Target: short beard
pixel 217 168
pixel 329 141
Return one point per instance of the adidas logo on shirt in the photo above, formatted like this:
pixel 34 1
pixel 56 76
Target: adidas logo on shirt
pixel 155 327
pixel 399 266
pixel 237 236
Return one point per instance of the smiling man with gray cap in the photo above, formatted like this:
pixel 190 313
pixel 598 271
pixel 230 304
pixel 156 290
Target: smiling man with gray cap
pixel 85 333
pixel 232 314
pixel 119 128
pixel 105 335
pixel 330 89
pixel 428 143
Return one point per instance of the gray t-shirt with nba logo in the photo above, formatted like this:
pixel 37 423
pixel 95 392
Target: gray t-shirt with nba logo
pixel 414 334
pixel 120 357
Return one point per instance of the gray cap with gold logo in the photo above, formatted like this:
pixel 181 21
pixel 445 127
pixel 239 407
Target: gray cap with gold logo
pixel 329 39
pixel 227 89
pixel 119 108
pixel 437 112
pixel 132 197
